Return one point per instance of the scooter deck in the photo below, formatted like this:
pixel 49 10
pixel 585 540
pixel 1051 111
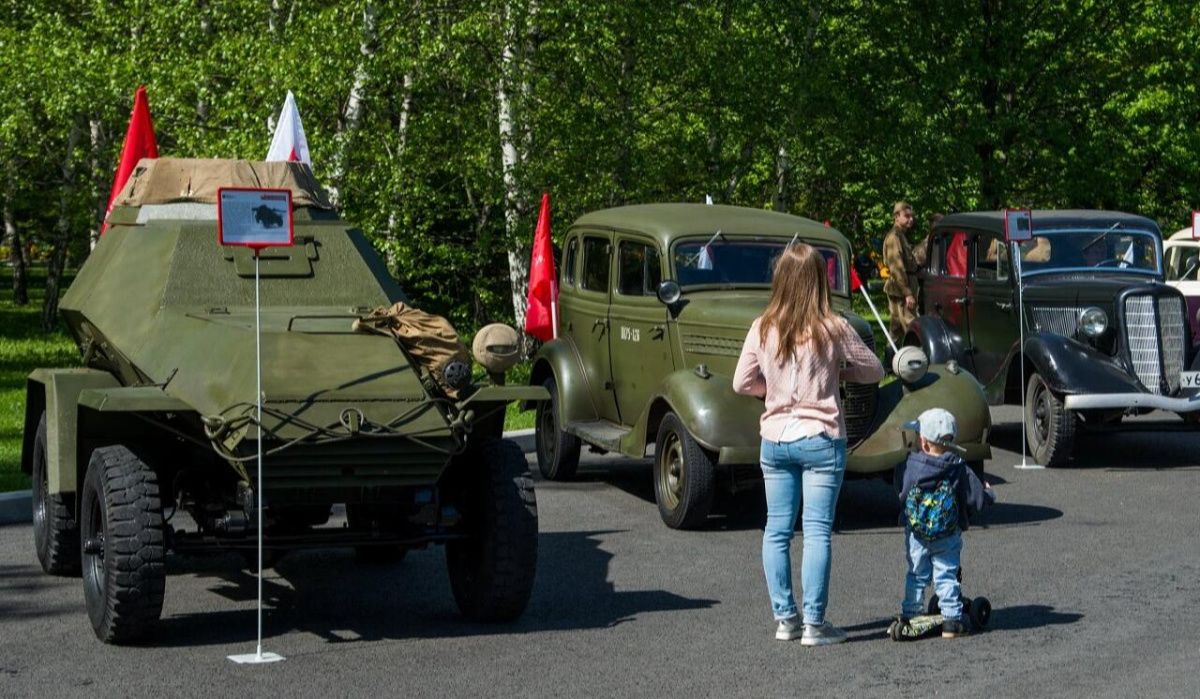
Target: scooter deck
pixel 920 626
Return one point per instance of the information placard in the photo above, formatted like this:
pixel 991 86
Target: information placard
pixel 1018 225
pixel 255 218
pixel 1196 225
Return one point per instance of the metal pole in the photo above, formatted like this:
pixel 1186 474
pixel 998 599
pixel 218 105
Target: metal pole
pixel 1021 353
pixel 258 418
pixel 888 335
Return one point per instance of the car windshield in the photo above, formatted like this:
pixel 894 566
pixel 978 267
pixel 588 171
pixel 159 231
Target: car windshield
pixel 726 261
pixel 1101 249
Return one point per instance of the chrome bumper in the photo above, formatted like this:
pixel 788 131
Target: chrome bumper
pixel 1091 401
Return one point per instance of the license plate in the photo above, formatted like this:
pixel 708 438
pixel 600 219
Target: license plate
pixel 1189 379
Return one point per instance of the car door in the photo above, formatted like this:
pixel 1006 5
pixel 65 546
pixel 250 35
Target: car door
pixel 992 312
pixel 588 311
pixel 946 281
pixel 638 344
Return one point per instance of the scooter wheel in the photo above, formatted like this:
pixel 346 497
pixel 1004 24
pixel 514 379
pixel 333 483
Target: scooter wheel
pixel 980 612
pixel 894 631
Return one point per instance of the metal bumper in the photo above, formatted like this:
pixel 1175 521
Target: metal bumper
pixel 1090 401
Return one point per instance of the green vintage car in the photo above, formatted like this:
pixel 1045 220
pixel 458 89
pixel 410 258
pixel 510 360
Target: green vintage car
pixel 655 302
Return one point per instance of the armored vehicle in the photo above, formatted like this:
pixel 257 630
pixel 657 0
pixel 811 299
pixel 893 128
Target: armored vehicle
pixel 1105 337
pixel 150 446
pixel 655 303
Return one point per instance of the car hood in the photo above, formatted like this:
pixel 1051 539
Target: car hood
pixel 1082 289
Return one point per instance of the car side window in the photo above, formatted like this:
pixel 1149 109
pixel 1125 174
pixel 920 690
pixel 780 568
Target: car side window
pixel 953 252
pixel 568 265
pixel 595 264
pixel 991 257
pixel 638 270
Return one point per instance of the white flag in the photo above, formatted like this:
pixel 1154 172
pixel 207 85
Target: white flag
pixel 289 142
pixel 708 199
pixel 1127 258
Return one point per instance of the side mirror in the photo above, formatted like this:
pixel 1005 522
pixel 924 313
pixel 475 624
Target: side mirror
pixel 669 292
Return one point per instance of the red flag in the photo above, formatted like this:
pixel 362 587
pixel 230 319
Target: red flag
pixel 855 281
pixel 541 313
pixel 139 143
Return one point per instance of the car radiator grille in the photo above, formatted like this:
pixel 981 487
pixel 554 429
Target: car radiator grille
pixel 1060 321
pixel 1154 333
pixel 859 401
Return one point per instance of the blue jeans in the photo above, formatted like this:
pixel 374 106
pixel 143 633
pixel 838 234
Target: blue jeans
pixel 810 469
pixel 941 558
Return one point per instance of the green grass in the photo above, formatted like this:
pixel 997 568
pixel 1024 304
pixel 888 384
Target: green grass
pixel 23 348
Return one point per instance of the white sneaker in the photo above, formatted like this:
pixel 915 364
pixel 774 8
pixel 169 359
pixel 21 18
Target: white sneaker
pixel 823 634
pixel 789 629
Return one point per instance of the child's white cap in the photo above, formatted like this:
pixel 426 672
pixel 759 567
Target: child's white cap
pixel 937 425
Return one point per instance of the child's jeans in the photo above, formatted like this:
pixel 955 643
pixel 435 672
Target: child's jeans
pixel 807 471
pixel 941 558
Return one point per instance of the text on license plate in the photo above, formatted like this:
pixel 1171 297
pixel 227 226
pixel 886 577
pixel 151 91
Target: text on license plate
pixel 1189 379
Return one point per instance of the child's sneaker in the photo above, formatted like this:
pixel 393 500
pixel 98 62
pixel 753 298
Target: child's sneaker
pixel 953 628
pixel 789 629
pixel 822 634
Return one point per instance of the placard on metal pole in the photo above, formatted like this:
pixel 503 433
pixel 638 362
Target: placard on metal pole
pixel 1018 228
pixel 256 219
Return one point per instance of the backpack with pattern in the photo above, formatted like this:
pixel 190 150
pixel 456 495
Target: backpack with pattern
pixel 932 514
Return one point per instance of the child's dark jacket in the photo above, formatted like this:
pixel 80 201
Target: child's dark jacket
pixel 927 471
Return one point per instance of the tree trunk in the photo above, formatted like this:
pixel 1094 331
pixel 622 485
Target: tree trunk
pixel 62 234
pixel 392 238
pixel 16 252
pixel 783 167
pixel 352 116
pixel 518 258
pixel 99 178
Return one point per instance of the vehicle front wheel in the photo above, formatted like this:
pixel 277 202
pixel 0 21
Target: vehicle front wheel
pixel 492 570
pixel 557 450
pixel 1049 426
pixel 55 532
pixel 684 476
pixel 121 534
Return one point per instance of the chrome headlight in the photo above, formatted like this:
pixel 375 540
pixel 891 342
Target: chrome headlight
pixel 1093 321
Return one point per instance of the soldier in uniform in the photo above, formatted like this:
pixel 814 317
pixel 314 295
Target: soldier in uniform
pixel 902 262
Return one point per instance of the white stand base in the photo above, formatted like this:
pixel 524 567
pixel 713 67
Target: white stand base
pixel 256 658
pixel 1029 466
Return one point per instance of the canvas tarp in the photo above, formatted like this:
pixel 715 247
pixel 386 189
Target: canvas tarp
pixel 172 180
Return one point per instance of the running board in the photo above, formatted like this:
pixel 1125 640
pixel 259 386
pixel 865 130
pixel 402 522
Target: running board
pixel 601 433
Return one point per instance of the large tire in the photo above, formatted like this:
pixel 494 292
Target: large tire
pixel 684 476
pixel 492 570
pixel 557 450
pixel 55 531
pixel 1049 426
pixel 121 530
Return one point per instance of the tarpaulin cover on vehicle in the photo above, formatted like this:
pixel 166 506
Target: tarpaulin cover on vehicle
pixel 428 339
pixel 171 180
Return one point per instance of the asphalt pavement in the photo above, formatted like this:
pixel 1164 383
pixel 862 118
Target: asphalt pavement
pixel 1093 573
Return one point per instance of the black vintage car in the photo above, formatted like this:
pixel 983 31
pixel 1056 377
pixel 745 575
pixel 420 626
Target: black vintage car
pixel 1104 336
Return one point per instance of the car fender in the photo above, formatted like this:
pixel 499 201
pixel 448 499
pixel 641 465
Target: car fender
pixel 938 340
pixel 57 391
pixel 714 415
pixel 1069 366
pixel 558 358
pixel 956 391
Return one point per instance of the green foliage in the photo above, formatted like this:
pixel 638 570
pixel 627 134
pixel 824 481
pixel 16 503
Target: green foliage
pixel 829 110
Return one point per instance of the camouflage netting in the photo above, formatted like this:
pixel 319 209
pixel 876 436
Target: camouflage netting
pixel 172 180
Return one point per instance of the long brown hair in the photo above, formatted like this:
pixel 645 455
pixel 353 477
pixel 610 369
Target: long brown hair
pixel 799 310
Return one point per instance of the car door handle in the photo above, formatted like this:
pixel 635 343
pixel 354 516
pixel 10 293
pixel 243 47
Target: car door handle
pixel 657 332
pixel 600 323
pixel 1004 305
pixel 961 301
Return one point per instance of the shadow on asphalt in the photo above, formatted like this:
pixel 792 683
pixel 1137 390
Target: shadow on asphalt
pixel 1143 448
pixel 1029 616
pixel 331 595
pixel 17 584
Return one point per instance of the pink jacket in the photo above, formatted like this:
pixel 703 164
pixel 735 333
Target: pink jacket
pixel 801 395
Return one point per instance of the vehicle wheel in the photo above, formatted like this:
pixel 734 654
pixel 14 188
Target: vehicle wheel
pixel 121 534
pixel 684 476
pixel 55 531
pixel 557 451
pixel 368 518
pixel 980 612
pixel 1049 427
pixel 491 571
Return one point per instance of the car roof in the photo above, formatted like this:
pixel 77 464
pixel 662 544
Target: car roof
pixel 1182 234
pixel 1047 219
pixel 667 222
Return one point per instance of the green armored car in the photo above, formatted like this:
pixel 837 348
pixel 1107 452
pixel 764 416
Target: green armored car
pixel 655 302
pixel 150 446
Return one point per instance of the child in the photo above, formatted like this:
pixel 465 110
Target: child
pixel 938 490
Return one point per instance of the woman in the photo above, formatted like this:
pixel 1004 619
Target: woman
pixel 794 357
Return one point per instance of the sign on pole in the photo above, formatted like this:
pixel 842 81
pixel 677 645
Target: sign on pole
pixel 1018 228
pixel 256 219
pixel 1196 225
